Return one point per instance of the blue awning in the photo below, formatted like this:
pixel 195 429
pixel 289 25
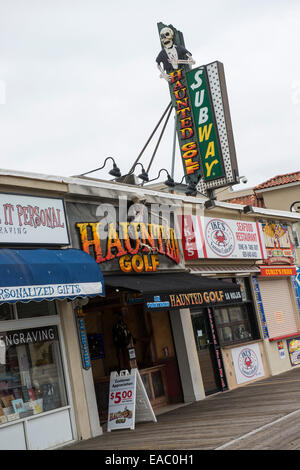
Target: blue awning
pixel 45 274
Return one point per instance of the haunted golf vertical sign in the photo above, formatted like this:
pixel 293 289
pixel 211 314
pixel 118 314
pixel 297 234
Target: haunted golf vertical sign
pixel 199 97
pixel 185 125
pixel 173 61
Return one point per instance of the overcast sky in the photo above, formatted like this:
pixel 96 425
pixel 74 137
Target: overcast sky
pixel 79 82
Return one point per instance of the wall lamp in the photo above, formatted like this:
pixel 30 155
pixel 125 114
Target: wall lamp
pixel 210 204
pixel 191 189
pixel 114 172
pixel 143 176
pixel 243 179
pixel 295 206
pixel 169 182
pixel 248 210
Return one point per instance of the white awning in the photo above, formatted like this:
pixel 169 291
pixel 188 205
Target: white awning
pixel 224 269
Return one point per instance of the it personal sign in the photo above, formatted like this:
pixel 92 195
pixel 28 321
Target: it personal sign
pixel 32 220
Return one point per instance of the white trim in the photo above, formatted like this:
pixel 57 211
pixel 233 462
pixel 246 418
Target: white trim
pixel 259 211
pixel 65 367
pixel 25 323
pixel 29 418
pixel 213 269
pixel 278 186
pixel 121 187
pixel 34 322
pixel 77 181
pixel 49 291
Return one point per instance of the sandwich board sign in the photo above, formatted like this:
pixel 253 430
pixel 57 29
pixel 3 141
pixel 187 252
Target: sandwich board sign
pixel 128 401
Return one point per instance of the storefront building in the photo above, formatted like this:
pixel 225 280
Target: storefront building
pixel 121 333
pixel 192 324
pixel 185 347
pixel 144 321
pixel 254 336
pixel 277 287
pixel 42 283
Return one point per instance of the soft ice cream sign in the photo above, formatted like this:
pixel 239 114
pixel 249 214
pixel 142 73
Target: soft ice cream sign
pixel 32 220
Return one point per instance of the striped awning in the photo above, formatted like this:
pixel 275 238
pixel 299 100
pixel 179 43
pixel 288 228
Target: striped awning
pixel 45 274
pixel 224 269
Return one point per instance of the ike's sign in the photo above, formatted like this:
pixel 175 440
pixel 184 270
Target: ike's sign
pixel 205 237
pixel 32 220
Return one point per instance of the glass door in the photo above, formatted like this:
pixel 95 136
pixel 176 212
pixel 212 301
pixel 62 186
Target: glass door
pixel 206 352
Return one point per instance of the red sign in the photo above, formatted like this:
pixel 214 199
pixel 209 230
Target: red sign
pixel 206 237
pixel 278 270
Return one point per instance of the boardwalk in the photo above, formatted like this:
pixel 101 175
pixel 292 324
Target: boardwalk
pixel 219 420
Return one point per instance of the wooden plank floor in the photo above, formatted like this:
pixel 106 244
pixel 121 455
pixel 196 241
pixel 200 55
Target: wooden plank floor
pixel 212 422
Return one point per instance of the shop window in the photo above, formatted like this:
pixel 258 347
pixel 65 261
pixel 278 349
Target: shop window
pixel 35 309
pixel 21 310
pixel 233 324
pixel 31 374
pixel 158 386
pixel 225 334
pixel 222 316
pixel 6 312
pixel 296 231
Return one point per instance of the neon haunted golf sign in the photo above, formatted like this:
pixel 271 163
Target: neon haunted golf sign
pixel 199 97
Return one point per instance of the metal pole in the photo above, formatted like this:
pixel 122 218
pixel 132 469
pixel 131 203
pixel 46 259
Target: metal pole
pixel 139 156
pixel 159 139
pixel 174 147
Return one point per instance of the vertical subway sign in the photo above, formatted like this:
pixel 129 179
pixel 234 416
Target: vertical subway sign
pixel 210 109
pixel 205 123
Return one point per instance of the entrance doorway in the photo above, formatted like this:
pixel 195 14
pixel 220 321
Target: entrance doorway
pixel 206 351
pixel 151 347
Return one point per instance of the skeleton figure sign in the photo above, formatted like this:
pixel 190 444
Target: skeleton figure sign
pixel 171 55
